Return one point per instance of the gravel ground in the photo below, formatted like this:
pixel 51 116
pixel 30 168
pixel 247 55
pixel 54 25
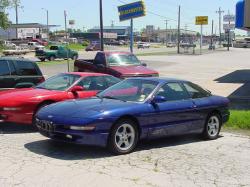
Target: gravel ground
pixel 28 159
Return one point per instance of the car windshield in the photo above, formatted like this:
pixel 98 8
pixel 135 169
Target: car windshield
pixel 59 82
pixel 123 60
pixel 134 90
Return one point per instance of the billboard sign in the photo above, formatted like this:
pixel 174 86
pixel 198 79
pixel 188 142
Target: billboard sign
pixel 243 14
pixel 132 10
pixel 201 20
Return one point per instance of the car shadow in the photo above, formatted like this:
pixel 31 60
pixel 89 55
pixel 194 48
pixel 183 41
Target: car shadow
pixel 240 98
pixel 67 151
pixel 13 128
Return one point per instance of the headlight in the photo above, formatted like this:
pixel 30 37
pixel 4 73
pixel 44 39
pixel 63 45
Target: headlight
pixel 11 109
pixel 79 128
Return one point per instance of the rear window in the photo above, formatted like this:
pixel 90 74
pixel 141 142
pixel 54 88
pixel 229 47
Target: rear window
pixel 26 68
pixel 4 68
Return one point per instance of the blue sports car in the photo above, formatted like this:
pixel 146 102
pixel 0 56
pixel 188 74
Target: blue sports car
pixel 135 109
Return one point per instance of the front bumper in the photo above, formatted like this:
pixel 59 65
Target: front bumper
pixel 59 133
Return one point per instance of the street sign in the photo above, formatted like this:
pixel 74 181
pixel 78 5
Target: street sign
pixel 201 20
pixel 71 22
pixel 132 10
pixel 229 18
pixel 228 26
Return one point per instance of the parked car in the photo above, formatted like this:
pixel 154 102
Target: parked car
pixel 118 64
pixel 135 109
pixel 171 44
pixel 35 46
pixel 19 73
pixel 19 106
pixel 93 47
pixel 143 45
pixel 40 41
pixel 9 45
pixel 56 51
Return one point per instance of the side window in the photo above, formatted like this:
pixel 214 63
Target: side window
pixel 12 68
pixel 100 59
pixel 26 68
pixel 93 83
pixel 4 68
pixel 173 92
pixel 195 91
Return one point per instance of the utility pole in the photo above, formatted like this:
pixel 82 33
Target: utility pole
pixel 212 34
pixel 220 13
pixel 166 32
pixel 112 23
pixel 131 36
pixel 179 30
pixel 101 26
pixel 47 14
pixel 65 24
pixel 16 8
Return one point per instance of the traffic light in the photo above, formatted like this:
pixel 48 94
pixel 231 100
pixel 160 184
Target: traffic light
pixel 243 14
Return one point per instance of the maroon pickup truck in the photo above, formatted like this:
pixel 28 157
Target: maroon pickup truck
pixel 119 64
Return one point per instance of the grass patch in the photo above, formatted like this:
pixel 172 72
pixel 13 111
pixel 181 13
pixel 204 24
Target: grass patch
pixel 239 119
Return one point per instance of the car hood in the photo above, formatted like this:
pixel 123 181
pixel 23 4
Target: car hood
pixel 133 70
pixel 13 97
pixel 83 108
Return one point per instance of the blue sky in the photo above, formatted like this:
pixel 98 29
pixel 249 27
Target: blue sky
pixel 85 12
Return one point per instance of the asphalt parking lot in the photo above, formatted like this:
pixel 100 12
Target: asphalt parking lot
pixel 29 159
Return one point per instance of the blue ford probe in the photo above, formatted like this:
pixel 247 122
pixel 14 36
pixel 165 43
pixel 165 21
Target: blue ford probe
pixel 135 109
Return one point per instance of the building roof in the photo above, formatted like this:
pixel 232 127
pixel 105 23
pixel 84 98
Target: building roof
pixel 111 27
pixel 31 25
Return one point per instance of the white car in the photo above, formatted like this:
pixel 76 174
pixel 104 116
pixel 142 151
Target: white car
pixel 35 46
pixel 143 45
pixel 171 44
pixel 9 45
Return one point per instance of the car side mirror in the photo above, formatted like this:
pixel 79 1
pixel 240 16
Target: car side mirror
pixel 144 64
pixel 76 89
pixel 159 99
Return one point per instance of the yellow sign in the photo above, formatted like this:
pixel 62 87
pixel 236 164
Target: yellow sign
pixel 201 20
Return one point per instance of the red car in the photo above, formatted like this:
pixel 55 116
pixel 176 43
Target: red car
pixel 40 41
pixel 20 106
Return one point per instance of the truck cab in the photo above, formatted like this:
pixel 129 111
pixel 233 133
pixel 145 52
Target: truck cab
pixel 118 64
pixel 55 52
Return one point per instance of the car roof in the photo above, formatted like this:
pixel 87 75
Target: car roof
pixel 86 74
pixel 160 79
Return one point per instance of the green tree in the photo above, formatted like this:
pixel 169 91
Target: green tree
pixel 4 4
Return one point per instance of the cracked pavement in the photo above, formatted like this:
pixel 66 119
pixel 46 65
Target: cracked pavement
pixel 29 159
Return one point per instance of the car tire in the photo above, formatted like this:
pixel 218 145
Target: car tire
pixel 123 137
pixel 75 57
pixel 52 58
pixel 212 127
pixel 42 59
